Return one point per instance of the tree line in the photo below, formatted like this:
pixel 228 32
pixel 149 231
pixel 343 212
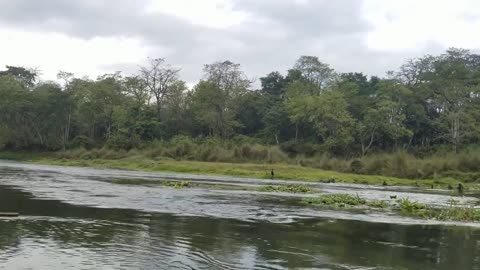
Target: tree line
pixel 429 103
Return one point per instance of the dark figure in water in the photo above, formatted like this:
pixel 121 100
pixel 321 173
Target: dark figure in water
pixel 273 174
pixel 384 183
pixel 460 188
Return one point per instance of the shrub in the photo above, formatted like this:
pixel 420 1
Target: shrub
pixel 81 141
pixel 180 147
pixel 296 148
pixel 399 163
pixel 356 165
pixel 121 140
pixel 275 155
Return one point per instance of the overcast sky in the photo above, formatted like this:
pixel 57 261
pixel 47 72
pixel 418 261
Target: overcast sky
pixel 92 37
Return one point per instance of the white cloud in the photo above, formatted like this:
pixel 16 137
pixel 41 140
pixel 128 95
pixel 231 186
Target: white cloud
pixel 52 51
pixel 413 25
pixel 95 37
pixel 211 13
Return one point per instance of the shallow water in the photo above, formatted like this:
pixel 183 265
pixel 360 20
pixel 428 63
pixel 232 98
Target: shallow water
pixel 75 218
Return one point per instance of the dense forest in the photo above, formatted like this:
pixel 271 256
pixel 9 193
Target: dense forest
pixel 429 104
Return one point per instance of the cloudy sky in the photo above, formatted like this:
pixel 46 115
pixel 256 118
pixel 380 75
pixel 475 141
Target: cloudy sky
pixel 92 37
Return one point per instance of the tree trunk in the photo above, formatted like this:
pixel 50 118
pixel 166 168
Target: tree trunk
pixel 66 132
pixel 455 130
pixel 296 132
pixel 365 148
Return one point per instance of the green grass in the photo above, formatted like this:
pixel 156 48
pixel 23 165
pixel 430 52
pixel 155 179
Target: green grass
pixel 144 182
pixel 404 206
pixel 282 171
pixel 412 208
pixel 344 201
pixel 178 184
pixel 377 204
pixel 185 184
pixel 453 212
pixel 336 200
pixel 286 188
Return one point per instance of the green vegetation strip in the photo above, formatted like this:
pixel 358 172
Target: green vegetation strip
pixel 287 188
pixel 344 201
pixel 177 184
pixel 262 171
pixel 187 184
pixel 143 182
pixel 452 212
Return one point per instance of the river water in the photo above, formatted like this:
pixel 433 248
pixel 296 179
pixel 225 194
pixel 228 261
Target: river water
pixel 80 218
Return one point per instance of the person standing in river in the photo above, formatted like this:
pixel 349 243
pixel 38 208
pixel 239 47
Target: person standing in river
pixel 272 173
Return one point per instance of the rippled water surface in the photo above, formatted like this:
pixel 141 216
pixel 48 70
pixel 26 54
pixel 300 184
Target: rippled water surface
pixel 79 218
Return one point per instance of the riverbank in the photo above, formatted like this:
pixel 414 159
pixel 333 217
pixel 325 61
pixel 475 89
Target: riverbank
pixel 261 171
pixel 417 203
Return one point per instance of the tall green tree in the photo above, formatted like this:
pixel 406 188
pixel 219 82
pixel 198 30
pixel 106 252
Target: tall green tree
pixel 158 78
pixel 315 72
pixel 216 97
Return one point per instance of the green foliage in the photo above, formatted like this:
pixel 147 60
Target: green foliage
pixel 412 208
pixel 82 141
pixel 377 204
pixel 27 77
pixel 417 123
pixel 274 84
pixel 122 140
pixel 453 212
pixel 336 200
pixel 356 165
pixel 458 213
pixel 178 184
pixel 286 188
pixel 315 72
pixel 300 148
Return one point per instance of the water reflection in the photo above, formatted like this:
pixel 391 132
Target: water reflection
pixel 55 235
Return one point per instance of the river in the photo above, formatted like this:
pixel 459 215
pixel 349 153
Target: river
pixel 79 218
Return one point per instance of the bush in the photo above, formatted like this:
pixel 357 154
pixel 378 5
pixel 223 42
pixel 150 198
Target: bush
pixel 275 155
pixel 123 141
pixel 356 166
pixel 399 164
pixel 180 147
pixel 81 141
pixel 469 162
pixel 300 148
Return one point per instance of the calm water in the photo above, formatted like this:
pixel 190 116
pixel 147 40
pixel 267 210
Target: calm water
pixel 74 218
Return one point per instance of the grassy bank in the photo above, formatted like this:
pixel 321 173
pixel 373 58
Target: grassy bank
pixel 462 166
pixel 263 171
pixel 404 206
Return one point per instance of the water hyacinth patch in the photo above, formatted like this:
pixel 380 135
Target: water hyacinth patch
pixel 286 188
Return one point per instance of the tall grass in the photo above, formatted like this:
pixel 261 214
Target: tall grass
pixel 184 148
pixel 464 166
